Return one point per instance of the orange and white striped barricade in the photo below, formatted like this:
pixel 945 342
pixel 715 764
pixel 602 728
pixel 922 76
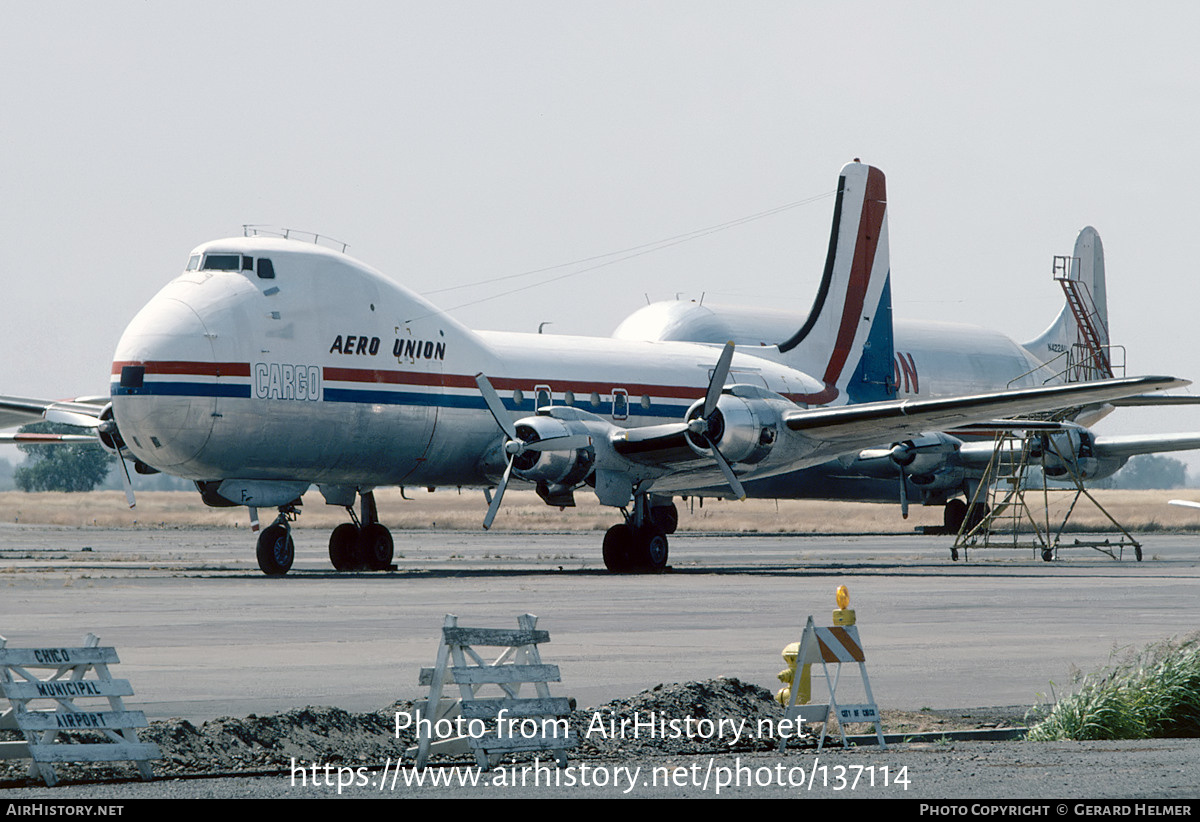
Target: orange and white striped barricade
pixel 834 645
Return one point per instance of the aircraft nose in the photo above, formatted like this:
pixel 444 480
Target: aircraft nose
pixel 164 376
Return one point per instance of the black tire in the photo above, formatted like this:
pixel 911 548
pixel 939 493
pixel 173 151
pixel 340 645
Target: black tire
pixel 653 550
pixel 1137 552
pixel 343 547
pixel 953 515
pixel 618 548
pixel 375 547
pixel 665 517
pixel 276 551
pixel 977 514
pixel 1047 554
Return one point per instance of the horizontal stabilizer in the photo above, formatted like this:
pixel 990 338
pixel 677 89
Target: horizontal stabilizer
pixel 1134 444
pixel 1143 400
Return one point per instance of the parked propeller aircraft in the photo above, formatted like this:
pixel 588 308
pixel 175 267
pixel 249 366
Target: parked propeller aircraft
pixel 270 365
pixel 938 359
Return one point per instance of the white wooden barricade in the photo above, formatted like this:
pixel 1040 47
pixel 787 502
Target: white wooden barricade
pixel 493 726
pixel 825 646
pixel 68 683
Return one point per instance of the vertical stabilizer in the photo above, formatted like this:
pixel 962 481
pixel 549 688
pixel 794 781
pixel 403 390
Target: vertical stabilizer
pixel 1081 328
pixel 847 339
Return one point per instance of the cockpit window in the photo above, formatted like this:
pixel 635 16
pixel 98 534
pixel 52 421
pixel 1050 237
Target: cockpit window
pixel 193 262
pixel 222 262
pixel 266 271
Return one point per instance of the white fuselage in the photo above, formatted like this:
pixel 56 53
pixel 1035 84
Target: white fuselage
pixel 327 372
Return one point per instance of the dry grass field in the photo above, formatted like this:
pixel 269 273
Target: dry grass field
pixel 524 511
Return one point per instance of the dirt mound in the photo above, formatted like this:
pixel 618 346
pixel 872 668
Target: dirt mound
pixel 715 716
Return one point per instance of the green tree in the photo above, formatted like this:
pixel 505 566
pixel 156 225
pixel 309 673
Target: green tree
pixel 75 467
pixel 1151 471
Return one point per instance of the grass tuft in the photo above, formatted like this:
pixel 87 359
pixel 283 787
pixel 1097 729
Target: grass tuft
pixel 1153 693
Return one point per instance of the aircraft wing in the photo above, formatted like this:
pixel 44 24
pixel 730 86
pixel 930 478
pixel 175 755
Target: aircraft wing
pixel 84 411
pixel 844 428
pixel 45 439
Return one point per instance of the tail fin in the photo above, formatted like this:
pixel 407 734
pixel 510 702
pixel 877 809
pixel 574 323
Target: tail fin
pixel 847 338
pixel 1089 307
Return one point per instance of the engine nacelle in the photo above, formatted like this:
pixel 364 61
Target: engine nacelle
pixel 926 455
pixel 1070 451
pixel 107 433
pixel 568 467
pixel 744 428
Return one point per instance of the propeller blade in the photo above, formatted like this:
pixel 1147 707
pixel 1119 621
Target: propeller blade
pixel 494 404
pixel 495 506
pixel 62 417
pixel 727 470
pixel 717 383
pixel 126 482
pixel 903 495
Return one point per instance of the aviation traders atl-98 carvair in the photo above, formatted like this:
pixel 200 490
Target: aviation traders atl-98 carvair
pixel 270 365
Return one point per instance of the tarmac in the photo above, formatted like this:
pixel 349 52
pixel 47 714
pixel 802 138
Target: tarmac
pixel 201 633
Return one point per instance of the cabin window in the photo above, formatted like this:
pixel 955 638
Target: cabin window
pixel 569 398
pixel 518 397
pixel 620 404
pixel 222 262
pixel 646 402
pixel 542 396
pixel 266 270
pixel 595 400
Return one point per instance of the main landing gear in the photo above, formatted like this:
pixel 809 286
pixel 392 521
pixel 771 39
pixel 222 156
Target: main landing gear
pixel 362 545
pixel 639 544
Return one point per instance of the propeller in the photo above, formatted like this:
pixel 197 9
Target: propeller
pixel 514 446
pixel 106 427
pixel 708 425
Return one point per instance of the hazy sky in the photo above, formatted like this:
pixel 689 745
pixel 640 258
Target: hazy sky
pixel 450 142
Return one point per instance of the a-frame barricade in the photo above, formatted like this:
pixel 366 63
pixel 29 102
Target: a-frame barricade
pixel 69 683
pixel 494 725
pixel 832 646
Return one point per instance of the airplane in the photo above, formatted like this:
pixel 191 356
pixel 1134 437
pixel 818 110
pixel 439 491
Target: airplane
pixel 271 364
pixel 939 359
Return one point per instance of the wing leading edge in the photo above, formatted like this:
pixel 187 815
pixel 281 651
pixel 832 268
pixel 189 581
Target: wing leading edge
pixel 839 429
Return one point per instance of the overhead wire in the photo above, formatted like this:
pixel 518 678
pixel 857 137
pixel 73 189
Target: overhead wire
pixel 617 256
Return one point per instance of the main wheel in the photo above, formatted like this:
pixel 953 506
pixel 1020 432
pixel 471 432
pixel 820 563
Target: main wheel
pixel 665 517
pixel 653 553
pixel 375 547
pixel 953 515
pixel 343 547
pixel 618 548
pixel 276 550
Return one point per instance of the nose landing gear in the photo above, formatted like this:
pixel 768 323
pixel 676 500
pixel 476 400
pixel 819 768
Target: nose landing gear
pixel 276 550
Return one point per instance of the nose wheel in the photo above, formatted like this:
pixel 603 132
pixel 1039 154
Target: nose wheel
pixel 276 550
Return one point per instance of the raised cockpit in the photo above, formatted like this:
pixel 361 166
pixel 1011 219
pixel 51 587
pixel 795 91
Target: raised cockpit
pixel 229 261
